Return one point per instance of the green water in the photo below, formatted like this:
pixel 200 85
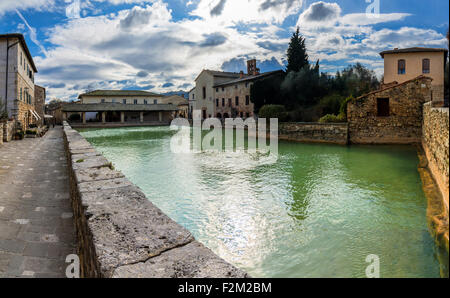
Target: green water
pixel 318 212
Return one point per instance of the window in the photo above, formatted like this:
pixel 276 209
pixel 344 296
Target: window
pixel 382 107
pixel 246 85
pixel 241 115
pixel 145 101
pixel 426 66
pixel 223 102
pixel 247 100
pixel 20 58
pixel 204 92
pixel 102 100
pixel 217 102
pixel 237 100
pixel 193 96
pixel 124 101
pixel 114 100
pixel 223 89
pixel 229 102
pixel 20 96
pixel 247 115
pixel 155 101
pixel 204 114
pixel 401 66
pixel 235 86
pixel 217 89
pixel 135 101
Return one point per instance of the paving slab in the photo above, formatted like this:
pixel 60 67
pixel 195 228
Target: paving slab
pixel 36 222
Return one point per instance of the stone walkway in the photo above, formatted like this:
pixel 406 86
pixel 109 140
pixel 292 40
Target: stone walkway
pixel 36 224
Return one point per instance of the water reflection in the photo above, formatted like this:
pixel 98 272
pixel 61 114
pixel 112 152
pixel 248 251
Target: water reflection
pixel 317 212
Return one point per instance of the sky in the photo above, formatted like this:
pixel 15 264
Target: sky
pixel 162 45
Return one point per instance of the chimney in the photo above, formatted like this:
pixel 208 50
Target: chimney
pixel 241 74
pixel 251 67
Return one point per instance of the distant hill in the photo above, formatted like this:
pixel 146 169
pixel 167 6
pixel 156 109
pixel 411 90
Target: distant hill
pixel 181 93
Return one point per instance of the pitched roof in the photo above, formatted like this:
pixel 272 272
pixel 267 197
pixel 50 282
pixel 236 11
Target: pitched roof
pixel 119 93
pixel 413 50
pixel 393 86
pixel 223 74
pixel 24 45
pixel 176 100
pixel 249 78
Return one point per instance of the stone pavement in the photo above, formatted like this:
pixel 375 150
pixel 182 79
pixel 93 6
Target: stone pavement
pixel 36 220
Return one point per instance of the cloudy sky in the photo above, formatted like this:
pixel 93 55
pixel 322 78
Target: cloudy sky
pixel 161 45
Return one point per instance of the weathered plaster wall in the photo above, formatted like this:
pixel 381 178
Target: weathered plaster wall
pixel 8 131
pixel 435 142
pixel 121 233
pixel 402 126
pixel 336 133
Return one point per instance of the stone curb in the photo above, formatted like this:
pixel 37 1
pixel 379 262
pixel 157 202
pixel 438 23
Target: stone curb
pixel 121 233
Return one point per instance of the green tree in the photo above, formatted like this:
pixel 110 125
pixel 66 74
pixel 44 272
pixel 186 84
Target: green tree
pixel 296 53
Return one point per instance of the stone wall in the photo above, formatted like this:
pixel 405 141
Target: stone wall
pixel 336 133
pixel 435 142
pixel 404 123
pixel 8 131
pixel 121 233
pixel 1 131
pixel 39 102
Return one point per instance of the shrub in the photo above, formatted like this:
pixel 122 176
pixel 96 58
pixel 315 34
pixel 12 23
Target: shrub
pixel 330 118
pixel 273 111
pixel 343 109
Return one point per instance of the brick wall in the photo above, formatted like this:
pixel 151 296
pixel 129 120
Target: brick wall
pixel 435 142
pixel 335 133
pixel 404 123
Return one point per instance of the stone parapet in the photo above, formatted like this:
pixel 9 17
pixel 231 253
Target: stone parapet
pixel 435 142
pixel 334 133
pixel 121 233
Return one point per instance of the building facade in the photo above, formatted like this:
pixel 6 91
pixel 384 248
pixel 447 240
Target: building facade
pixel 17 89
pixel 401 65
pixel 225 94
pixel 120 107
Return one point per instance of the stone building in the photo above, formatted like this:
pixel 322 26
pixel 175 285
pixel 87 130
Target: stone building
pixel 120 107
pixel 401 65
pixel 225 94
pixel 39 103
pixel 391 115
pixel 181 102
pixel 17 71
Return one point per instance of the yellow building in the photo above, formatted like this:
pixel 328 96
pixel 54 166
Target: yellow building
pixel 401 65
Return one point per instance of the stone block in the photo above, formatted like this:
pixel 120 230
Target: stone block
pixel 127 228
pixel 193 260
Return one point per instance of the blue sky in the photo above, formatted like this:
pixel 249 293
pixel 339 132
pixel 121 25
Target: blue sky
pixel 161 45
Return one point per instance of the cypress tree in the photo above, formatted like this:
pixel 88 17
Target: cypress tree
pixel 296 53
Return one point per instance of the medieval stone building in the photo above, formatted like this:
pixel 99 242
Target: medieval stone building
pixel 226 94
pixel 392 115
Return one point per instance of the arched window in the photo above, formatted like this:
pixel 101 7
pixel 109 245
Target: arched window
pixel 401 66
pixel 426 66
